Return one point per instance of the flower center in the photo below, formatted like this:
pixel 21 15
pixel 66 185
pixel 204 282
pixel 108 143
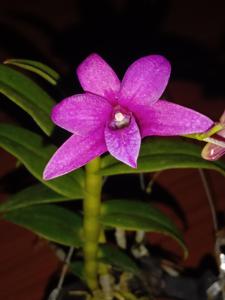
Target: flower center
pixel 120 118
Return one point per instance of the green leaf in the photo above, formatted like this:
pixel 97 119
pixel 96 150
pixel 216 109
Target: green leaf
pixel 77 268
pixel 112 255
pixel 137 215
pixel 34 153
pixel 159 154
pixel 36 67
pixel 51 222
pixel 33 195
pixel 28 95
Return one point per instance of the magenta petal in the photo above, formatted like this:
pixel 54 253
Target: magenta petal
pixel 166 118
pixel 97 77
pixel 124 144
pixel 75 153
pixel 81 114
pixel 144 81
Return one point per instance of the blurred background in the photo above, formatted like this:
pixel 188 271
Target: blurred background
pixel 191 34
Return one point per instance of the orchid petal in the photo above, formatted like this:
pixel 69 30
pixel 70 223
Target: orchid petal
pixel 124 143
pixel 74 153
pixel 212 151
pixel 145 81
pixel 166 118
pixel 81 114
pixel 222 118
pixel 97 77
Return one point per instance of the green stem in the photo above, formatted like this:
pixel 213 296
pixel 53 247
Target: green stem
pixel 92 204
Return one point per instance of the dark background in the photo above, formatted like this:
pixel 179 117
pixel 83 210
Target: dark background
pixel 191 34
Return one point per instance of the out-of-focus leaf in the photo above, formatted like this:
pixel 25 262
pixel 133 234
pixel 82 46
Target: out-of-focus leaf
pixel 137 215
pixel 33 195
pixel 51 222
pixel 162 154
pixel 112 255
pixel 36 67
pixel 28 95
pixel 77 268
pixel 32 151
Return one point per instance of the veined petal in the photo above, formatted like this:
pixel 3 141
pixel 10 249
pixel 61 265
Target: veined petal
pixel 97 77
pixel 81 114
pixel 124 144
pixel 166 118
pixel 145 81
pixel 75 153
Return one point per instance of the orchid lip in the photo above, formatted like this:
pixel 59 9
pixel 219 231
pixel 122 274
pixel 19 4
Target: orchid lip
pixel 120 118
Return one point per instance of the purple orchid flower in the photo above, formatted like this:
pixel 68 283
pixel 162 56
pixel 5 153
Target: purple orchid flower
pixel 114 116
pixel 212 151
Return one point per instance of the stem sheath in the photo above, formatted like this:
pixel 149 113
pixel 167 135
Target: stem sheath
pixel 92 205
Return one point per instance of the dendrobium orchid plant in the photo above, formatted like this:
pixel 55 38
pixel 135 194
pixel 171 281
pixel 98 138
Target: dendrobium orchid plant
pixel 109 116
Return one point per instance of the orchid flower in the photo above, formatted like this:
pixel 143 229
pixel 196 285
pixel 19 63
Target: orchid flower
pixel 114 116
pixel 212 150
